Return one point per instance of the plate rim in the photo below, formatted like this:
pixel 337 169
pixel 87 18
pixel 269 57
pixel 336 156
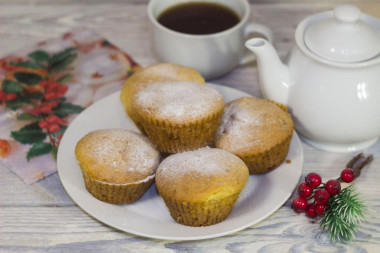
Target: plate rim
pixel 295 139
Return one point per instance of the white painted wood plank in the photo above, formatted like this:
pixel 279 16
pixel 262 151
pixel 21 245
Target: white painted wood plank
pixel 67 229
pixel 42 217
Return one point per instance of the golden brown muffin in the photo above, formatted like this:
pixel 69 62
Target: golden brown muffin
pixel 256 130
pixel 178 116
pixel 201 187
pixel 118 165
pixel 162 72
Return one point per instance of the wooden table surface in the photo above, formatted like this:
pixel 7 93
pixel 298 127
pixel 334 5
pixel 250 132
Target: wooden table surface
pixel 42 218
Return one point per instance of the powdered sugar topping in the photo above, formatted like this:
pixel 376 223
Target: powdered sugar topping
pixel 178 99
pixel 203 162
pixel 121 156
pixel 250 122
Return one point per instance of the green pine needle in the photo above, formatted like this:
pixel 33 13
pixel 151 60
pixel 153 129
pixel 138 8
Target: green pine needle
pixel 344 214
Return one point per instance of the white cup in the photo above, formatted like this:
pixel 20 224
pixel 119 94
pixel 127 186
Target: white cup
pixel 213 55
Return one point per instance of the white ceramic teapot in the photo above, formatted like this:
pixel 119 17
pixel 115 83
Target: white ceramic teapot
pixel 331 82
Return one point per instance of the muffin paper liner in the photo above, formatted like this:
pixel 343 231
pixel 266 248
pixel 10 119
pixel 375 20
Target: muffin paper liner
pixel 269 159
pixel 117 193
pixel 171 137
pixel 198 214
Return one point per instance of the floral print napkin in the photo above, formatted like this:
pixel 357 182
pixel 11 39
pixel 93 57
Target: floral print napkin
pixel 42 89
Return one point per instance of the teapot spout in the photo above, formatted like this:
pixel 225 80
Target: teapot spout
pixel 273 74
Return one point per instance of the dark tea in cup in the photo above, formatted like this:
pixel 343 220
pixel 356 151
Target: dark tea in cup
pixel 210 37
pixel 198 18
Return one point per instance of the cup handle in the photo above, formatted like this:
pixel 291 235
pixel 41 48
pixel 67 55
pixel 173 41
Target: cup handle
pixel 255 28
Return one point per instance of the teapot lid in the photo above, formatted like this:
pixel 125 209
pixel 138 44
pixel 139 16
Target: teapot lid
pixel 344 37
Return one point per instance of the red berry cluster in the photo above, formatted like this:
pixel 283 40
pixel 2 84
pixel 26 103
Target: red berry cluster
pixel 313 195
pixel 4 97
pixel 52 123
pixel 44 108
pixel 53 89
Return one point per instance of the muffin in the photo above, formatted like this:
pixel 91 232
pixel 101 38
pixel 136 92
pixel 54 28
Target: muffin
pixel 201 187
pixel 178 116
pixel 256 130
pixel 118 165
pixel 163 72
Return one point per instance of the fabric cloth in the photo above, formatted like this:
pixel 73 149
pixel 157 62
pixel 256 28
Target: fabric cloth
pixel 44 87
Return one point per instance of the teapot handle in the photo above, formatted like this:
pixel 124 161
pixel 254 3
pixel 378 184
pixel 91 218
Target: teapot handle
pixel 254 28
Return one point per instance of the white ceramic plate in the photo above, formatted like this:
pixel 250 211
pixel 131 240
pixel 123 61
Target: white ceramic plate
pixel 149 216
